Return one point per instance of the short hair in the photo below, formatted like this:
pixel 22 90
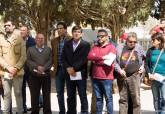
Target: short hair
pixel 77 27
pixel 10 21
pixel 103 30
pixel 132 34
pixel 159 37
pixel 63 24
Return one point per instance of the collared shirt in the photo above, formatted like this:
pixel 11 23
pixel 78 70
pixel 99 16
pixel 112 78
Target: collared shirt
pixel 75 44
pixel 60 48
pixel 40 49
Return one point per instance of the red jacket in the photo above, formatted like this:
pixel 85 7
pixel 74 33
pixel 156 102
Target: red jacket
pixel 99 69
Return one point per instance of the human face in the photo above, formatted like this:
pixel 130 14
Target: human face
pixel 131 42
pixel 102 38
pixel 9 27
pixel 24 32
pixel 77 34
pixel 155 43
pixel 61 30
pixel 39 40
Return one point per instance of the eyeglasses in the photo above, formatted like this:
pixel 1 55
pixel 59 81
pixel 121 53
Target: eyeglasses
pixel 132 42
pixel 100 36
pixel 7 25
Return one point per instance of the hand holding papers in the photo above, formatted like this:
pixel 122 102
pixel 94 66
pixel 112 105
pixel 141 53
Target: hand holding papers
pixel 76 77
pixel 159 77
pixel 8 76
pixel 108 59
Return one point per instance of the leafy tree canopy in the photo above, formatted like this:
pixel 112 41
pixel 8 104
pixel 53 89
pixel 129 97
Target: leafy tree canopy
pixel 43 14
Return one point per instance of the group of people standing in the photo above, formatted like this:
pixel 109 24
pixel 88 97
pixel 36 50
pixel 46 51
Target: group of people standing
pixel 23 58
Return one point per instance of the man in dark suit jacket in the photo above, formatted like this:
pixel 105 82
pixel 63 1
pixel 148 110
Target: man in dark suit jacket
pixel 75 61
pixel 29 43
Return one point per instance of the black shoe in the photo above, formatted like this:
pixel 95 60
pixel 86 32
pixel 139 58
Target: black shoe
pixel 29 109
pixel 40 105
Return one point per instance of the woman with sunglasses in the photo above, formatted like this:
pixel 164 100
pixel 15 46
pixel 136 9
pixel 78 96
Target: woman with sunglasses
pixel 155 64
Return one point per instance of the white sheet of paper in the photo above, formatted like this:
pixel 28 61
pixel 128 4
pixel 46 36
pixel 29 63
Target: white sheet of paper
pixel 77 77
pixel 110 58
pixel 159 77
pixel 8 76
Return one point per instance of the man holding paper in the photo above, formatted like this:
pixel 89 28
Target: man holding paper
pixel 102 56
pixel 75 61
pixel 130 66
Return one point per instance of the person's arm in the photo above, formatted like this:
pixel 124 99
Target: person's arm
pixel 48 64
pixel 3 63
pixel 22 59
pixel 148 61
pixel 31 64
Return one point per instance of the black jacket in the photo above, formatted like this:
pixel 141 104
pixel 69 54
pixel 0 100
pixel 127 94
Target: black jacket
pixel 78 58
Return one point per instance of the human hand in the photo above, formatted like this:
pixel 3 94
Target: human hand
pixel 40 69
pixel 12 70
pixel 141 69
pixel 123 73
pixel 151 76
pixel 71 71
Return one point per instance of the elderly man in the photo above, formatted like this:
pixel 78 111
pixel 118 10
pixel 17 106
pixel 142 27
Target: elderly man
pixel 12 59
pixel 129 65
pixel 39 61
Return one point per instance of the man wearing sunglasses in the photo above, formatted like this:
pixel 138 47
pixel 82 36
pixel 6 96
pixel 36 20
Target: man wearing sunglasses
pixel 129 65
pixel 12 59
pixel 102 56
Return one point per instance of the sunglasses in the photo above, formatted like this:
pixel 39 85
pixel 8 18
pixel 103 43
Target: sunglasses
pixel 101 36
pixel 7 25
pixel 132 42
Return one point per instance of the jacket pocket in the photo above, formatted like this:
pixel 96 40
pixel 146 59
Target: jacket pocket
pixel 17 48
pixel 5 49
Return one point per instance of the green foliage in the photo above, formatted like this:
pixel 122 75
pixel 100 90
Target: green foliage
pixel 43 14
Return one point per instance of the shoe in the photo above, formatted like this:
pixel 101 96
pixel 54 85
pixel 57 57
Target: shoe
pixel 40 105
pixel 29 109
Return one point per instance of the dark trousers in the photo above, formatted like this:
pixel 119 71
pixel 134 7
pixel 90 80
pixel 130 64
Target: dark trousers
pixel 36 83
pixel 60 86
pixel 80 85
pixel 129 91
pixel 25 79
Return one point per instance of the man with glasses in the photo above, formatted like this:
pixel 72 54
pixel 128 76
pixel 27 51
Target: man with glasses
pixel 60 78
pixel 129 65
pixel 12 59
pixel 102 56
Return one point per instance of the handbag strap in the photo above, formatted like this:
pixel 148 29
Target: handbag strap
pixel 157 61
pixel 129 59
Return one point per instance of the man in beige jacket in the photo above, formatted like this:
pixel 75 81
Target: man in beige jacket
pixel 12 58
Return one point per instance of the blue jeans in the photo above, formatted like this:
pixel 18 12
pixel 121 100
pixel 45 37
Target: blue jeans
pixel 80 85
pixel 158 91
pixel 60 86
pixel 103 88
